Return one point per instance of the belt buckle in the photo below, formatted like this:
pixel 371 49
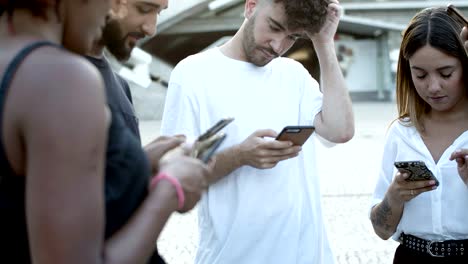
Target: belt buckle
pixel 428 249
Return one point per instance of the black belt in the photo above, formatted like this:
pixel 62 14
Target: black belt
pixel 447 248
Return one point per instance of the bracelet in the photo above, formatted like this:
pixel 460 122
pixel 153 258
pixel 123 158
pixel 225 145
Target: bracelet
pixel 175 182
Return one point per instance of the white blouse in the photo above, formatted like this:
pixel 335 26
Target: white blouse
pixel 441 214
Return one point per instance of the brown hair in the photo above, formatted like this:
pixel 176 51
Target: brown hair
pixel 307 14
pixel 36 7
pixel 434 27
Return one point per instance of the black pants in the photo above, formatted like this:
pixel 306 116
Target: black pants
pixel 408 256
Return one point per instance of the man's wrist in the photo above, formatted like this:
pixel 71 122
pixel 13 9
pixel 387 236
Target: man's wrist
pixel 325 50
pixel 226 162
pixel 237 156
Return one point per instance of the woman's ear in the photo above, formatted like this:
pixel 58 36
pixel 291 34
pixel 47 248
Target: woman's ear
pixel 118 9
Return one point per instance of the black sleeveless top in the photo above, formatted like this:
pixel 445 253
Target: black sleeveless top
pixel 126 180
pixel 118 93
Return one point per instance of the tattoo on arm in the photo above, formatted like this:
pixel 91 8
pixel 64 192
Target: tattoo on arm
pixel 381 214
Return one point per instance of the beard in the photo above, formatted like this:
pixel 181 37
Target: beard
pixel 250 47
pixel 114 40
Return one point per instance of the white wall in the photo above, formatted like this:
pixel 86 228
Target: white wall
pixel 177 6
pixel 361 75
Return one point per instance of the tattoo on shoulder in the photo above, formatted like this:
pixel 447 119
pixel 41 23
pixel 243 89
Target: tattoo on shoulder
pixel 381 214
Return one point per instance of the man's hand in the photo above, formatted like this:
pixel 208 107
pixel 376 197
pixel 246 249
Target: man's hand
pixel 328 30
pixel 262 153
pixel 461 156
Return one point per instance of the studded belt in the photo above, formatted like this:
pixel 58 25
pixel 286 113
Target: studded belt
pixel 447 248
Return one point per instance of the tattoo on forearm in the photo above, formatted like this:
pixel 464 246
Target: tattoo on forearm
pixel 381 214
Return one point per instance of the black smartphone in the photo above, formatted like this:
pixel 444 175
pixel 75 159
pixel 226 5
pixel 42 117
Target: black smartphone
pixel 207 143
pixel 298 135
pixel 206 155
pixel 417 170
pixel 215 129
pixel 457 15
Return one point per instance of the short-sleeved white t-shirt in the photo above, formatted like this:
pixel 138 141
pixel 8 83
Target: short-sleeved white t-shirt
pixel 252 215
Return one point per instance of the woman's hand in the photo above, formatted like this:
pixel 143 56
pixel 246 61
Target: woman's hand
pixel 192 174
pixel 159 147
pixel 461 157
pixel 401 190
pixel 464 38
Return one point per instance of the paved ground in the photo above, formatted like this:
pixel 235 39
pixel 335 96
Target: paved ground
pixel 348 173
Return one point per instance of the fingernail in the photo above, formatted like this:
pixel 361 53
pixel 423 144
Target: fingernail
pixel 434 187
pixel 431 182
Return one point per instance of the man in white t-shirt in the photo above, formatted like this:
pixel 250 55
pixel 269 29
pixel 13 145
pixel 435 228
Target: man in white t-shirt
pixel 264 203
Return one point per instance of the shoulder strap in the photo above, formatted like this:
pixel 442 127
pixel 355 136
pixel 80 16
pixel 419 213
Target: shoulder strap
pixel 4 84
pixel 14 65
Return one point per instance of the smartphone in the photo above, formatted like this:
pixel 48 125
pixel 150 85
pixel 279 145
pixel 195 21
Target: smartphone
pixel 457 15
pixel 206 155
pixel 298 135
pixel 207 143
pixel 215 129
pixel 417 170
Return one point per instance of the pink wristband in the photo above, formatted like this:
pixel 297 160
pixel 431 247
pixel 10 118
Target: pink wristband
pixel 175 182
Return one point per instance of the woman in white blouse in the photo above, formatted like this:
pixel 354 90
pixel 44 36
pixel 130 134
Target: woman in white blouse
pixel 428 217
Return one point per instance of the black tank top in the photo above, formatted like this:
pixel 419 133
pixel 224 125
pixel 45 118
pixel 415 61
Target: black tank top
pixel 126 179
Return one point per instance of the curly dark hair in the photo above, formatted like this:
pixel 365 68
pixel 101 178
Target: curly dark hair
pixel 307 14
pixel 36 7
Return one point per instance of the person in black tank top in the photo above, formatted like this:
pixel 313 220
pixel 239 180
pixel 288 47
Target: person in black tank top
pixel 121 28
pixel 56 206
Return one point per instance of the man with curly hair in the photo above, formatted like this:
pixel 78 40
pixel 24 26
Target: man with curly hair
pixel 264 206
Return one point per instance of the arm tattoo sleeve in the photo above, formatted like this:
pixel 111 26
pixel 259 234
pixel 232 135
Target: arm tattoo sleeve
pixel 381 214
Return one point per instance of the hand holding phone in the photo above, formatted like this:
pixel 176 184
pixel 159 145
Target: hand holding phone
pixel 417 171
pixel 207 143
pixel 215 128
pixel 205 149
pixel 204 146
pixel 298 135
